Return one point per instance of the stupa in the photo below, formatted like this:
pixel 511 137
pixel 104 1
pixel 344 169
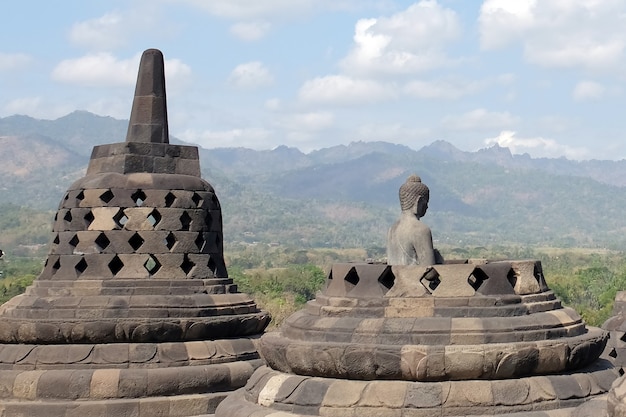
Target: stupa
pixel 133 313
pixel 469 337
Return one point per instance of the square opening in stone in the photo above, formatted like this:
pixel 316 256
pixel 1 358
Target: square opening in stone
pixel 154 217
pixel 187 265
pixel 102 241
pixel 196 199
pixel 120 218
pixel 185 221
pixel 152 265
pixel 81 265
pixel 200 242
pixel 106 196
pixel 170 240
pixel 135 241
pixel 74 241
pixel 169 199
pixel 115 265
pixel 89 218
pixel 138 197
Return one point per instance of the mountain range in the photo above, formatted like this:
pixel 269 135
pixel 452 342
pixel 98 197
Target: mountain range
pixel 346 195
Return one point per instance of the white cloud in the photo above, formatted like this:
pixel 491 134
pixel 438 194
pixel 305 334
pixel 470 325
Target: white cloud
pixel 106 70
pixel 255 9
pixel 407 42
pixel 250 31
pixel 103 33
pixel 480 120
pixel 395 133
pixel 254 138
pixel 37 107
pixel 13 61
pixel 537 147
pixel 559 34
pixel 341 89
pixel 442 89
pixel 101 69
pixel 312 121
pixel 250 75
pixel 588 90
pixel 272 104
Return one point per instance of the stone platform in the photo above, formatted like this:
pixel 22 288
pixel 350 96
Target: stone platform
pixel 472 338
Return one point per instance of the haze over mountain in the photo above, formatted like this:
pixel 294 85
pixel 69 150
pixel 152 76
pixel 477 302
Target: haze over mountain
pixel 347 195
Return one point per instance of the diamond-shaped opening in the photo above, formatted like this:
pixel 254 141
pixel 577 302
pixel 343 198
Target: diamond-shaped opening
pixel 102 241
pixel 387 279
pixel 68 216
pixel 56 239
pixel 613 353
pixel 170 240
pixel 136 241
pixel 197 200
pixel 138 197
pixel 200 242
pixel 623 337
pixel 115 265
pixel 106 196
pixel 152 265
pixel 154 217
pixel 88 218
pixel 431 279
pixel 120 218
pixel 169 199
pixel 211 265
pixel 56 266
pixel 74 240
pixel 187 265
pixel 477 278
pixel 511 276
pixel 56 216
pixel 66 197
pixel 185 221
pixel 80 196
pixel 621 371
pixel 351 279
pixel 81 266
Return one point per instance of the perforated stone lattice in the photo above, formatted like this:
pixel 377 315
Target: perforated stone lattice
pixel 163 229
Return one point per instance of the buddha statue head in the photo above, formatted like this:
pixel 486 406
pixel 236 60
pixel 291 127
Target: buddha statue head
pixel 414 196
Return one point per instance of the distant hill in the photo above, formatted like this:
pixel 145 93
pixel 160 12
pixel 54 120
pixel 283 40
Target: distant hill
pixel 346 195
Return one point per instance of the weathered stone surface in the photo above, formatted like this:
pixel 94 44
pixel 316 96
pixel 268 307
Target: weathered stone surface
pixel 134 313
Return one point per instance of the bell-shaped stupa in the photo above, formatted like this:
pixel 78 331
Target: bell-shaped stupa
pixel 134 313
pixel 462 338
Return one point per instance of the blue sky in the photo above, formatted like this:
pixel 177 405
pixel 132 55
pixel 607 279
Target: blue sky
pixel 543 77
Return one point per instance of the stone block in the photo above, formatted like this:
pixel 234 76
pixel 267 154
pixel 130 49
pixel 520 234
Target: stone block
pixel 424 395
pixel 476 393
pixel 104 218
pixel 454 281
pixel 384 394
pixel 25 384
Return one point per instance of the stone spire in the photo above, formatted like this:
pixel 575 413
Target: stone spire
pixel 133 313
pixel 148 117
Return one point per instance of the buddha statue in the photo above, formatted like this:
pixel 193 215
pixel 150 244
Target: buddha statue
pixel 409 241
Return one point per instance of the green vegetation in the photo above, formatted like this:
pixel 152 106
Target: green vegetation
pixel 16 274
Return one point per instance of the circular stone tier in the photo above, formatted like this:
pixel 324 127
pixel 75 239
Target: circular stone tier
pixel 271 393
pixel 469 338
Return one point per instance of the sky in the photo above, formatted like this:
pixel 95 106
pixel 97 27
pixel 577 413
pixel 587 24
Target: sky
pixel 544 77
